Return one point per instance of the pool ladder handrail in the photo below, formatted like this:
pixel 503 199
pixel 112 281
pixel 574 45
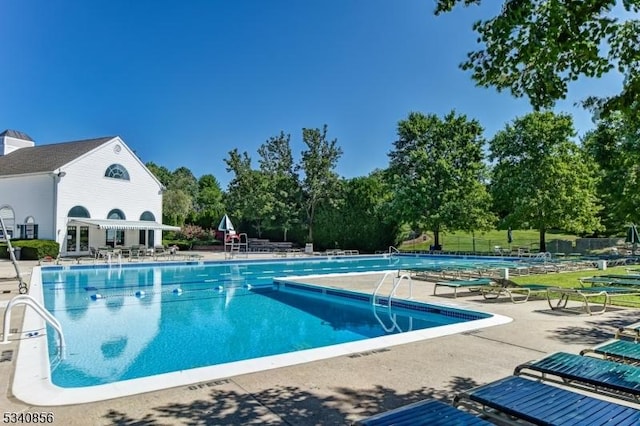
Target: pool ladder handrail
pixel 396 282
pixel 25 299
pixel 393 250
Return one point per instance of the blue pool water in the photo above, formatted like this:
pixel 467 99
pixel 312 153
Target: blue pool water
pixel 132 321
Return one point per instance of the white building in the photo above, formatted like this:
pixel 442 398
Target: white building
pixel 82 194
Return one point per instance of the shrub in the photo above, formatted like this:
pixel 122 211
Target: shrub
pixel 32 249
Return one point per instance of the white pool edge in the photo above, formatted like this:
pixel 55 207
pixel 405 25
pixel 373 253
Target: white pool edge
pixel 32 382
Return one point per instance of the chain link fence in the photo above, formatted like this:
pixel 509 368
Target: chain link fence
pixel 471 245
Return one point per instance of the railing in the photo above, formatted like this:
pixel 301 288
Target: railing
pixel 22 286
pixel 396 283
pixel 392 316
pixel 27 300
pixel 393 250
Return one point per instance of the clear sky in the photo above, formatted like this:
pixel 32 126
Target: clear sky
pixel 184 82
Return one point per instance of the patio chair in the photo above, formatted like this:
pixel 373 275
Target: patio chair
pixel 609 280
pixel 584 294
pixel 427 412
pixel 583 372
pixel 543 404
pixel 524 291
pixel 619 350
pixel 472 284
pixel 632 331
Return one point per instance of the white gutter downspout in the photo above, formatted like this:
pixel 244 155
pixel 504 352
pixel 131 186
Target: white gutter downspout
pixel 57 175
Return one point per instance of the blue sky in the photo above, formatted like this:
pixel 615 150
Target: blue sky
pixel 184 82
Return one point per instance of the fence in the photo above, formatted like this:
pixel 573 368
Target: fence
pixel 464 244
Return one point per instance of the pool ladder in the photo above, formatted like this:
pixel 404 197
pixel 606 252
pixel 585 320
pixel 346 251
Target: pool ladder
pixel 397 280
pixel 27 300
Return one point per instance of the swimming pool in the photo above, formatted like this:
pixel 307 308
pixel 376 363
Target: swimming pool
pixel 133 327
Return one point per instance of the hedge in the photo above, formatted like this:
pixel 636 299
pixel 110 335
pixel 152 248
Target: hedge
pixel 32 249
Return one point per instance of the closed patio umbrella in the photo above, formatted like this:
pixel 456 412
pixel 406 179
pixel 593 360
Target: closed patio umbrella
pixel 225 224
pixel 632 236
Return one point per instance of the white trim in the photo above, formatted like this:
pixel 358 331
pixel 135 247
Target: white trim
pixel 123 224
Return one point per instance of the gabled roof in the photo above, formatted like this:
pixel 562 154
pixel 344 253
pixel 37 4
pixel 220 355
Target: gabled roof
pixel 16 134
pixel 46 158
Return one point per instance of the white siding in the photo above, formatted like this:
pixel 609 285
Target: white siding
pixel 30 195
pixel 85 184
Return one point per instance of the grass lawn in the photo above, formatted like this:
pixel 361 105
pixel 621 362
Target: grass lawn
pixel 486 241
pixel 570 279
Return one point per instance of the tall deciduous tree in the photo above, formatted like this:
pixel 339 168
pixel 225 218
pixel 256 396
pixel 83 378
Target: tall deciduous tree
pixel 209 204
pixel 176 206
pixel 535 48
pixel 182 178
pixel 248 192
pixel 541 178
pixel 276 162
pixel 437 173
pixel 615 146
pixel 318 164
pixel 160 172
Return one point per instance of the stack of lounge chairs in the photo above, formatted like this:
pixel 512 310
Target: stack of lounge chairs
pixel 600 386
pixel 601 288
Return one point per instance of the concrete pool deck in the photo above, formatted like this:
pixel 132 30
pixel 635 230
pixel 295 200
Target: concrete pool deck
pixel 343 389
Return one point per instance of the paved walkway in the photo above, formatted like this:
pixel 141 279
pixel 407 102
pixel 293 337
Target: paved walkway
pixel 341 390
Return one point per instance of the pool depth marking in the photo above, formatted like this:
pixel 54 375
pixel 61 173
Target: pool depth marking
pixel 32 384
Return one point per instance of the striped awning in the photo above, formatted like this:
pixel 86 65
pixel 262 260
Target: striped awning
pixel 123 224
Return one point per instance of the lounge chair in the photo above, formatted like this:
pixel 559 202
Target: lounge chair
pixel 631 330
pixel 598 375
pixel 610 281
pixel 525 291
pixel 428 412
pixel 543 404
pixel 584 294
pixel 619 350
pixel 472 284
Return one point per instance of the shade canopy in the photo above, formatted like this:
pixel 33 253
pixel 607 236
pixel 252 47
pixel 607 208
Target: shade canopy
pixel 125 224
pixel 225 224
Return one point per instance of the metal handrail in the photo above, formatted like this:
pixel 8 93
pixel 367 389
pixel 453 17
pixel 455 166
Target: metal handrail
pixel 392 316
pixel 393 250
pixel 27 300
pixel 397 283
pixel 22 286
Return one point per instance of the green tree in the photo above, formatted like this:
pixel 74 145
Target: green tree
pixel 248 192
pixel 541 178
pixel 176 206
pixel 182 178
pixel 318 164
pixel 160 172
pixel 615 146
pixel 209 204
pixel 276 163
pixel 535 48
pixel 437 174
pixel 360 218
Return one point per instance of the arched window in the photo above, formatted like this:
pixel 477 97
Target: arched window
pixel 29 230
pixel 117 171
pixel 147 236
pixel 147 216
pixel 9 218
pixel 78 211
pixel 116 214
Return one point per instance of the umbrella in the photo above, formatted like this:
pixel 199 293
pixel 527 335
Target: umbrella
pixel 225 224
pixel 509 236
pixel 632 235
